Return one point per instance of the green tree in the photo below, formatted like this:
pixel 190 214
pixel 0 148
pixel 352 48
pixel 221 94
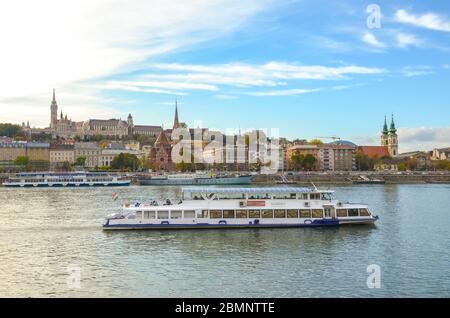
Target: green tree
pixel 125 162
pixel 297 161
pixel 22 161
pixel 363 162
pixel 309 162
pixel 443 165
pixel 10 130
pixel 80 161
pixel 315 142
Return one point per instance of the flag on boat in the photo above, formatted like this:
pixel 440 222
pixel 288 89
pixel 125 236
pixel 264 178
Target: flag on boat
pixel 115 195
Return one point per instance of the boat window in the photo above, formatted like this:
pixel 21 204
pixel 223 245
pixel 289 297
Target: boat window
pixel 189 214
pixel 149 214
pixel 280 214
pixel 241 214
pixel 163 214
pixel 364 212
pixel 353 212
pixel 254 214
pixel 317 213
pixel 215 214
pixel 204 214
pixel 259 196
pixel 231 196
pixel 228 214
pixel 305 213
pixel 267 214
pixel 176 214
pixel 304 196
pixel 197 196
pixel 315 196
pixel 293 214
pixel 341 213
pixel 139 214
pixel 326 196
pixel 283 196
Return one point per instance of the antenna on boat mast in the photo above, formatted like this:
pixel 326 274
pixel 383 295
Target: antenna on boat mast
pixel 315 188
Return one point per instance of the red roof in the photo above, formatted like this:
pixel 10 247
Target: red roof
pixel 375 151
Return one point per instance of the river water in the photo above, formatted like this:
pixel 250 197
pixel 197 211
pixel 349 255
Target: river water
pixel 50 236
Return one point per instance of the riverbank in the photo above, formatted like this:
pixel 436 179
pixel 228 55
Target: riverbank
pixel 355 177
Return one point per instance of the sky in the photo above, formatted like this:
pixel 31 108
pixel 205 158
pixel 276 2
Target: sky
pixel 309 68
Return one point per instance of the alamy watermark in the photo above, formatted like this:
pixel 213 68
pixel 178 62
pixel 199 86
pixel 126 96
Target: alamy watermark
pixel 374 19
pixel 73 279
pixel 374 278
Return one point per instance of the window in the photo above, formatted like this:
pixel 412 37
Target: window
pixel 139 214
pixel 189 214
pixel 204 214
pixel 215 214
pixel 267 214
pixel 228 214
pixel 305 213
pixel 364 212
pixel 341 213
pixel 304 196
pixel 163 214
pixel 315 196
pixel 293 214
pixel 241 214
pixel 254 214
pixel 175 214
pixel 352 212
pixel 149 214
pixel 317 214
pixel 280 214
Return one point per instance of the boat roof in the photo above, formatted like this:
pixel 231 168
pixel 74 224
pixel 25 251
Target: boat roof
pixel 254 190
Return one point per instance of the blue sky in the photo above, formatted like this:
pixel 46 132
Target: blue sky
pixel 309 68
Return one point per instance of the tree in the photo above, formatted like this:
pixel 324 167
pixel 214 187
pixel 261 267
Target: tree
pixel 315 142
pixel 22 161
pixel 309 162
pixel 297 161
pixel 443 165
pixel 80 161
pixel 145 164
pixel 10 130
pixel 125 162
pixel 363 162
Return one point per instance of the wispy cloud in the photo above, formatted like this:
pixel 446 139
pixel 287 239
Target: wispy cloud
pixel 287 92
pixel 424 138
pixel 370 39
pixel 225 97
pixel 405 40
pixel 429 21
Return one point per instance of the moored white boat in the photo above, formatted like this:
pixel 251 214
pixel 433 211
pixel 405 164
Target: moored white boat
pixel 225 208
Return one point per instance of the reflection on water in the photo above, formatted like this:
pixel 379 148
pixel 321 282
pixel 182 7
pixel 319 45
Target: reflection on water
pixel 43 231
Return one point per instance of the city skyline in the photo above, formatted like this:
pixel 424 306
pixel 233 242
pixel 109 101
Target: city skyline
pixel 305 78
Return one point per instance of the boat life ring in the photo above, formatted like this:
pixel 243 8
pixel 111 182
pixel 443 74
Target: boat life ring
pixel 223 222
pixel 307 222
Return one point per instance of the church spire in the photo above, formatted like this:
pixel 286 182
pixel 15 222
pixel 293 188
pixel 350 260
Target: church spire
pixel 393 130
pixel 176 123
pixel 54 98
pixel 385 127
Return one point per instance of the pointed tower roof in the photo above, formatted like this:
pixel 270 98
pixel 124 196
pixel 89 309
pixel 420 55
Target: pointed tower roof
pixel 162 139
pixel 385 127
pixel 54 98
pixel 176 123
pixel 392 130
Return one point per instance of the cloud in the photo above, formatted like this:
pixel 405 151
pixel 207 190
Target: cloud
pixel 404 40
pixel 286 92
pixel 429 21
pixel 369 38
pixel 226 97
pixel 416 71
pixel 62 43
pixel 423 138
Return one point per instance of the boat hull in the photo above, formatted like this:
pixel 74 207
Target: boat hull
pixel 242 180
pixel 56 185
pixel 251 225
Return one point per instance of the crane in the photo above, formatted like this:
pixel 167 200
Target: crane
pixel 330 137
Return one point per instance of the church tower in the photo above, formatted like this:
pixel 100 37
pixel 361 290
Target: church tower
pixel 385 134
pixel 130 125
pixel 176 122
pixel 53 112
pixel 393 139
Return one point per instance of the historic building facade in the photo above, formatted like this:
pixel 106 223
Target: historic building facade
pixel 389 137
pixel 62 127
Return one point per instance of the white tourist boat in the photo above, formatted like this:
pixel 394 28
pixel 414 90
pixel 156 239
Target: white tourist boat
pixel 224 208
pixel 66 179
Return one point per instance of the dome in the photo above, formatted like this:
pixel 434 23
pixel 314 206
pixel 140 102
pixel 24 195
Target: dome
pixel 343 143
